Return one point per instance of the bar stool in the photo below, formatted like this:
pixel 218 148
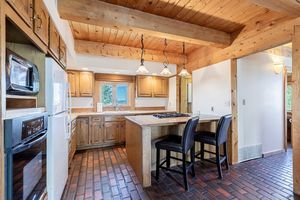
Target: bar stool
pixel 181 145
pixel 215 139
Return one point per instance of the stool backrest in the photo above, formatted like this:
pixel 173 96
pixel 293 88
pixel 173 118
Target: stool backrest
pixel 222 129
pixel 188 134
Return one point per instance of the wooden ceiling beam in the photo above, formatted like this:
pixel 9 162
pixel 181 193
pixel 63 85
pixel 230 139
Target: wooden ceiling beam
pixel 288 7
pixel 101 49
pixel 265 38
pixel 99 13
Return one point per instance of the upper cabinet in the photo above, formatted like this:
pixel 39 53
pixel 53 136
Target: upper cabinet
pixel 54 40
pixel 24 8
pixel 144 86
pixel 86 84
pixel 160 86
pixel 41 29
pixel 152 86
pixel 41 21
pixel 62 52
pixel 81 83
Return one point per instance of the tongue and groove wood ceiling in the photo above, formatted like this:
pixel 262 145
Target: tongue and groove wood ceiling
pixel 229 16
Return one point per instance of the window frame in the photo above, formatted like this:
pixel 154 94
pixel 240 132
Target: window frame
pixel 114 94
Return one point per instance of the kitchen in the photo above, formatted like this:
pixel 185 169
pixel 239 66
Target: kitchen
pixel 91 91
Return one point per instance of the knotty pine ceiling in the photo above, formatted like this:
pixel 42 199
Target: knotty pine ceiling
pixel 224 15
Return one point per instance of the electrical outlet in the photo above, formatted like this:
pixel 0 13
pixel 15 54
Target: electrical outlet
pixel 212 109
pixel 244 102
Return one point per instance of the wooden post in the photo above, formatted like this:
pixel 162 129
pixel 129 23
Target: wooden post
pixel 233 138
pixel 296 109
pixel 284 77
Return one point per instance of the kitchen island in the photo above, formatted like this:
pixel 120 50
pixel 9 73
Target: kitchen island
pixel 144 130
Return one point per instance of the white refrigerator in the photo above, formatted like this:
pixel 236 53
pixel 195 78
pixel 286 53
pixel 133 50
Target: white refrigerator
pixel 57 105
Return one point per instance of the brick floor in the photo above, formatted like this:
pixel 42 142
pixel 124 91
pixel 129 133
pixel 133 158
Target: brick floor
pixel 106 174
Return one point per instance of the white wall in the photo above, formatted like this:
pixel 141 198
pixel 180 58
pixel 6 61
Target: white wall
pixel 260 103
pixel 172 94
pixel 212 88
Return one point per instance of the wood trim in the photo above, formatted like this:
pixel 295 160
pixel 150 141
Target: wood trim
pixel 296 109
pixel 122 18
pixel 287 7
pixel 114 78
pixel 102 49
pixel 151 108
pixel 82 110
pixel 233 139
pixel 284 77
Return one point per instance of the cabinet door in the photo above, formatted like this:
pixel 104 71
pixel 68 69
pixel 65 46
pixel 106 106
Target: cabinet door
pixel 62 52
pixel 54 40
pixel 74 83
pixel 86 83
pixel 122 131
pixel 96 130
pixel 160 87
pixel 144 86
pixel 73 144
pixel 111 134
pixel 24 8
pixel 41 21
pixel 82 131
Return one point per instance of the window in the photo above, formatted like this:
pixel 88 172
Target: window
pixel 114 94
pixel 289 98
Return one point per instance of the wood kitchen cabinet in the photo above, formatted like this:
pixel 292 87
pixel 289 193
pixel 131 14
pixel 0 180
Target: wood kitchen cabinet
pixel 41 21
pixel 82 132
pixel 122 133
pixel 160 86
pixel 144 86
pixel 111 134
pixel 73 141
pixel 86 84
pixel 62 52
pixel 54 40
pixel 73 78
pixel 152 86
pixel 81 83
pixel 25 9
pixel 96 134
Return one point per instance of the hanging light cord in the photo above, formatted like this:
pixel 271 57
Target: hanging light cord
pixel 142 52
pixel 166 62
pixel 183 52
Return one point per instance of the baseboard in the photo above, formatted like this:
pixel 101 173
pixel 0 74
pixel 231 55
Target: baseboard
pixel 271 153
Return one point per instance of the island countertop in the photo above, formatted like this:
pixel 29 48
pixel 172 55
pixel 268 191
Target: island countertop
pixel 150 120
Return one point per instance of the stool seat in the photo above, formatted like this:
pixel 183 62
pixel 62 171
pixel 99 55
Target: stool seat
pixel 172 143
pixel 206 137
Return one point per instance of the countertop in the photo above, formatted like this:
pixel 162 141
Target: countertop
pixel 149 120
pixel 119 113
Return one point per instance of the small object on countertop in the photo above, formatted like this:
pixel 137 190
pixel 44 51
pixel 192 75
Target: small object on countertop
pixel 99 107
pixel 170 115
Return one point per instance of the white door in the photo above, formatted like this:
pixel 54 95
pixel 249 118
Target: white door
pixel 57 155
pixel 56 88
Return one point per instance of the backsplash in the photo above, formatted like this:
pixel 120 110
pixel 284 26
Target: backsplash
pixel 82 102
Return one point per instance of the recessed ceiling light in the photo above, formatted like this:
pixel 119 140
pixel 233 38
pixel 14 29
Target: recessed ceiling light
pixel 84 68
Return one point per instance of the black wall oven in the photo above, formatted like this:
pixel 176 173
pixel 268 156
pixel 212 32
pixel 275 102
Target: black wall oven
pixel 25 155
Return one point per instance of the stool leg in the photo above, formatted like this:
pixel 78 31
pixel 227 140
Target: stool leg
pixel 226 155
pixel 218 161
pixel 186 187
pixel 168 158
pixel 202 151
pixel 157 163
pixel 193 161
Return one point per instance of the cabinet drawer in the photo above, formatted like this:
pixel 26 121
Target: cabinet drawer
pixel 114 118
pixel 96 119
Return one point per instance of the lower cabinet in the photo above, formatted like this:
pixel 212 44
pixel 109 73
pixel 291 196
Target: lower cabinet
pixel 82 132
pixel 98 131
pixel 73 141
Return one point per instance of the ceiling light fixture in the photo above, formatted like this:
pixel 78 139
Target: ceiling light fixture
pixel 184 72
pixel 142 69
pixel 165 71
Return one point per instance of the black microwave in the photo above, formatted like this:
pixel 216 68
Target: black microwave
pixel 22 76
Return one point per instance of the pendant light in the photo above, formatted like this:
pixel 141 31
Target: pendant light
pixel 165 71
pixel 142 69
pixel 183 72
